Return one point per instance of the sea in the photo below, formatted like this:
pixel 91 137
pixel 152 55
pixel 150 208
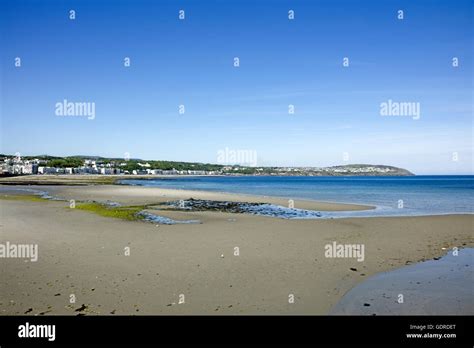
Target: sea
pixel 391 196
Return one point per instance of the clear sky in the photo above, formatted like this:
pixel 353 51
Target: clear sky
pixel 190 62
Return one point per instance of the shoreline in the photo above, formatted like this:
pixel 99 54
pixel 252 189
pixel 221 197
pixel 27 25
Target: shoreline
pixel 81 252
pixel 149 194
pixel 112 179
pixel 353 209
pixel 335 210
pixel 15 177
pixel 243 198
pixel 346 206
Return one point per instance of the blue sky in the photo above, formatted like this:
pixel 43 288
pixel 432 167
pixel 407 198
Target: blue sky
pixel 282 62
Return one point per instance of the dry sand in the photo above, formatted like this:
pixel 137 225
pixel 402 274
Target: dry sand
pixel 82 253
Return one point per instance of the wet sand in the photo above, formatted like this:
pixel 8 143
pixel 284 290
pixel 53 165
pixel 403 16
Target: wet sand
pixel 444 286
pixel 82 253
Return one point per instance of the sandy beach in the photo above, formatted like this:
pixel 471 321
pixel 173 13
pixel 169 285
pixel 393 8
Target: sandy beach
pixel 84 254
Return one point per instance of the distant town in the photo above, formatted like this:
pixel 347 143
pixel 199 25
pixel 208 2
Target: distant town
pixel 83 165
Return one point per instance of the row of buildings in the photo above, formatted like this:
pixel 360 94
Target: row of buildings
pixel 18 166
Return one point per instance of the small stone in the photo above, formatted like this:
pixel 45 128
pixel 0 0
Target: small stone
pixel 80 309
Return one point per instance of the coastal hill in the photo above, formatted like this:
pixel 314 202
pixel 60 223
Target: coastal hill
pixel 18 165
pixel 368 169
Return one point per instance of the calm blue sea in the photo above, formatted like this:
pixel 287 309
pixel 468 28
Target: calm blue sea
pixel 421 195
